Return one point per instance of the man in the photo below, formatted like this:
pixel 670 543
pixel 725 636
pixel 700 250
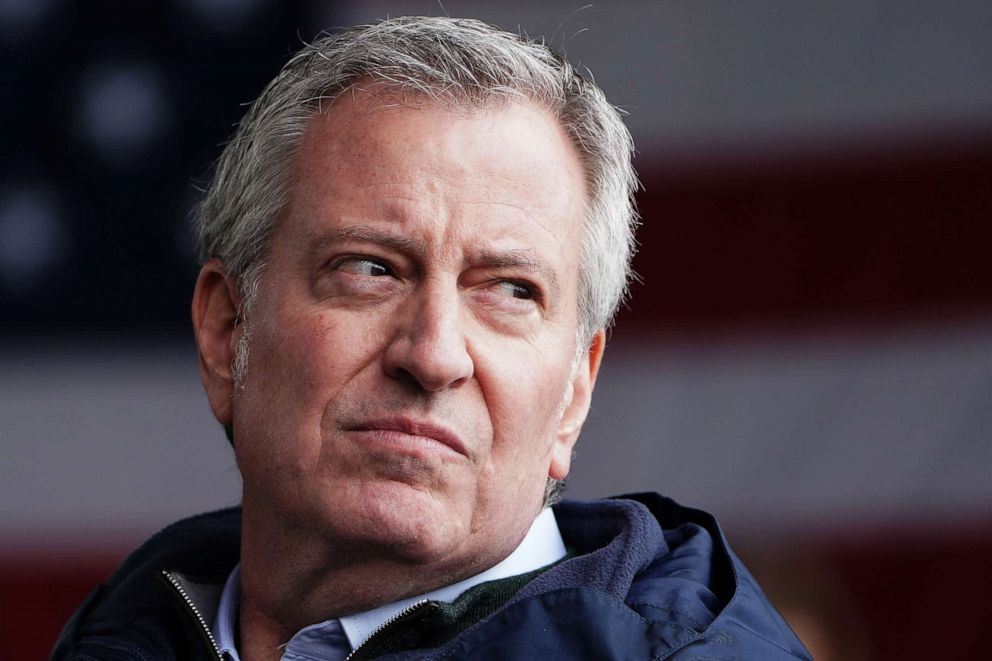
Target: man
pixel 411 249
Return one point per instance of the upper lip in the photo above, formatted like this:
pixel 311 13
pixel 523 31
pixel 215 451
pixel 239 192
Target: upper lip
pixel 415 428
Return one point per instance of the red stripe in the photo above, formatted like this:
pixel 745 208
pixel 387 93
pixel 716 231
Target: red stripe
pixel 857 235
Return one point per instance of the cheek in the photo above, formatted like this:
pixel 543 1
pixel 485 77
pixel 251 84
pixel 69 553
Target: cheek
pixel 526 415
pixel 283 366
pixel 525 422
pixel 307 357
pixel 292 368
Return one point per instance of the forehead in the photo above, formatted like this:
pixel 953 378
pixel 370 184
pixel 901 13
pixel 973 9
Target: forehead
pixel 511 153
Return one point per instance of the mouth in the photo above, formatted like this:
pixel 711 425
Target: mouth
pixel 402 429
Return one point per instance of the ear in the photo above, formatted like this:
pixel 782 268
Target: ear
pixel 216 307
pixel 577 408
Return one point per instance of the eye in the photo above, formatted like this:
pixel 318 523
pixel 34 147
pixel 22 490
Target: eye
pixel 363 266
pixel 517 289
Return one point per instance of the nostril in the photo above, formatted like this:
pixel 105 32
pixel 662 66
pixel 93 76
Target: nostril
pixel 405 376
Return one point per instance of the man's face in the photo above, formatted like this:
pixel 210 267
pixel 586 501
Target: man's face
pixel 410 381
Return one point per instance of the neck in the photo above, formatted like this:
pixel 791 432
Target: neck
pixel 302 579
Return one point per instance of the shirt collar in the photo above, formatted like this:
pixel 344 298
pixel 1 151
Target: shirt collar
pixel 541 546
pixel 227 614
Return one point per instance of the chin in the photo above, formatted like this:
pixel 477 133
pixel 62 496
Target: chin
pixel 398 520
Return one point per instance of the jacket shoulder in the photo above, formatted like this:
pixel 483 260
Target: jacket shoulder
pixel 746 625
pixel 133 615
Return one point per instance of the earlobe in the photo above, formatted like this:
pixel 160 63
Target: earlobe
pixel 577 407
pixel 215 311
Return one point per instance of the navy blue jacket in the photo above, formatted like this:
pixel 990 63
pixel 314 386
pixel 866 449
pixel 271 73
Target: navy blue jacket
pixel 645 579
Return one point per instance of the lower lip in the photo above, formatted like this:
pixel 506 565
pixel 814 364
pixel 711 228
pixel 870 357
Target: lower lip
pixel 399 441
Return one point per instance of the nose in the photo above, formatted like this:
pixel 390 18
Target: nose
pixel 429 346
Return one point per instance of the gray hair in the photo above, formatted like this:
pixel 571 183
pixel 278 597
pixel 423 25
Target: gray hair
pixel 444 60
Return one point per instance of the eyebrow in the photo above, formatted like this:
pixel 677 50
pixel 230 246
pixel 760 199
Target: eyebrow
pixel 365 234
pixel 521 259
pixel 518 259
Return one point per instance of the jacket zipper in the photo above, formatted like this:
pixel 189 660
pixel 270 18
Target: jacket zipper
pixel 398 616
pixel 196 612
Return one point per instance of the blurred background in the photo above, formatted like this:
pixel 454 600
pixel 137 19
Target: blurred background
pixel 808 355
